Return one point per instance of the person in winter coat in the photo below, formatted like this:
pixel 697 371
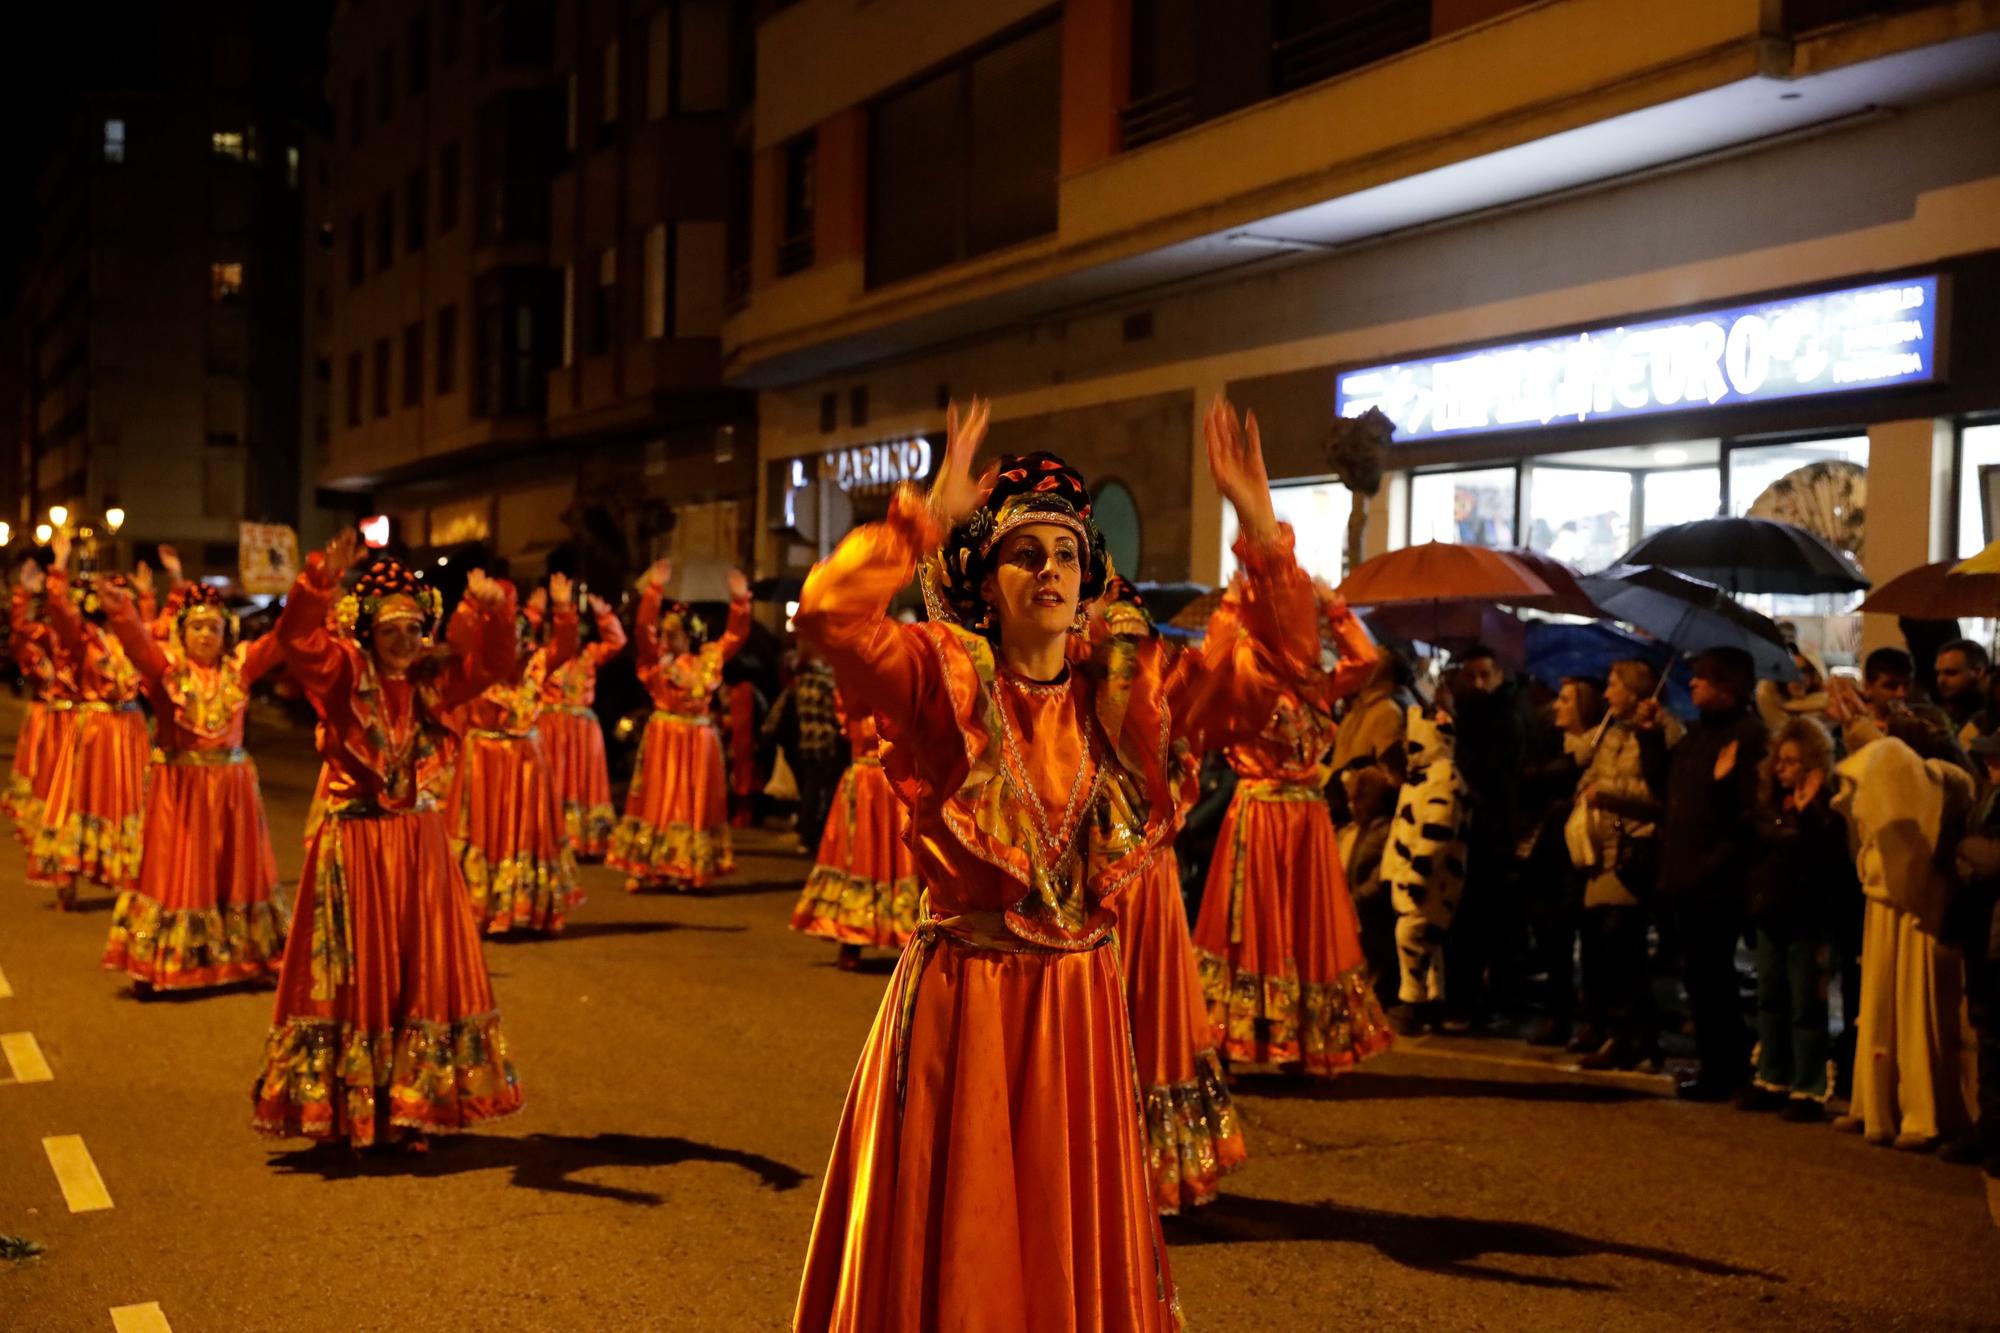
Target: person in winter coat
pixel 1779 703
pixel 1367 778
pixel 1492 720
pixel 1804 871
pixel 1974 920
pixel 1559 749
pixel 1424 864
pixel 1905 795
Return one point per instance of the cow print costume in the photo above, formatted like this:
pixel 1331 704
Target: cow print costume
pixel 1424 864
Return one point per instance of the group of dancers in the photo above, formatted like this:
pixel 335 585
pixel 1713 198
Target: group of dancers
pixel 1048 1071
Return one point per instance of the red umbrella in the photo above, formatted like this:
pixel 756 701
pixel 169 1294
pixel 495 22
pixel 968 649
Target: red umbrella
pixel 1454 627
pixel 1933 592
pixel 1569 598
pixel 1445 572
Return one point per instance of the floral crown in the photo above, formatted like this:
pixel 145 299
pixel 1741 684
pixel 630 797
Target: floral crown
pixel 384 581
pixel 696 627
pixel 1029 488
pixel 192 599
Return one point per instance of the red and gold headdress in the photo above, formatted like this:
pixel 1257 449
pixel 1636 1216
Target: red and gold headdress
pixel 1030 488
pixel 388 591
pixel 193 601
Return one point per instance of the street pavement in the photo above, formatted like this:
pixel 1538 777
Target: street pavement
pixel 685 1059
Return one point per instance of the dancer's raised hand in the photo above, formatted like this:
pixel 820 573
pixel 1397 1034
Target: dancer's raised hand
pixel 1236 461
pixel 957 490
pixel 739 586
pixel 341 552
pixel 560 590
pixel 659 573
pixel 479 588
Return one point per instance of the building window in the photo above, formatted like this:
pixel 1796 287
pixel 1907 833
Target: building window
pixel 568 316
pixel 385 84
pixel 608 78
pixel 654 279
pixel 1470 508
pixel 703 64
pixel 227 143
pixel 604 303
pixel 699 277
pixel 448 32
pixel 659 63
pixel 357 120
pixel 381 377
pixel 357 251
pixel 1117 516
pixel 1581 515
pixel 385 231
pixel 416 206
pixel 447 350
pixel 413 364
pixel 510 347
pixel 965 162
pixel 795 243
pixel 420 54
pixel 225 283
pixel 114 140
pixel 448 174
pixel 353 389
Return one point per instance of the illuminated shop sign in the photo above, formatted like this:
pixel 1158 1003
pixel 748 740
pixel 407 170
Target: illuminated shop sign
pixel 862 470
pixel 1832 342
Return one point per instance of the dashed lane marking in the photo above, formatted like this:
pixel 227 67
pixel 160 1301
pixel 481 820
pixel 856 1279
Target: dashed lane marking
pixel 6 991
pixel 83 1189
pixel 147 1318
pixel 24 1057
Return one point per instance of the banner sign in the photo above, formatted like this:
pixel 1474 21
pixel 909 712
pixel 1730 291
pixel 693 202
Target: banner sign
pixel 1832 342
pixel 267 558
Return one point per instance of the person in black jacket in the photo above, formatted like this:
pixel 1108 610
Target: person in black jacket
pixel 1484 948
pixel 1803 874
pixel 1707 844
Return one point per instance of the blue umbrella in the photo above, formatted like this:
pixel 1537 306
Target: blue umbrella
pixel 1557 651
pixel 1690 615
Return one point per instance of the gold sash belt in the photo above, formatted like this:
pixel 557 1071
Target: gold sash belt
pixel 202 758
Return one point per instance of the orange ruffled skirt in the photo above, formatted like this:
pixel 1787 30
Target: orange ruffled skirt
pixel 203 913
pixel 573 743
pixel 519 870
pixel 990 1168
pixel 1193 1138
pixel 1277 941
pixel 385 1016
pixel 91 828
pixel 863 888
pixel 43 731
pixel 676 824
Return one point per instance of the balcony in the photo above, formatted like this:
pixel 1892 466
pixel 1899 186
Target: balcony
pixel 1362 36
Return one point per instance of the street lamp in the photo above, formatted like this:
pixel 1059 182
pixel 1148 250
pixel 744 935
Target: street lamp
pixel 6 532
pixel 80 529
pixel 43 534
pixel 58 516
pixel 114 519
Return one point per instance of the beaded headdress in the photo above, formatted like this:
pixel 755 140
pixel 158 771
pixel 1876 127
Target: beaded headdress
pixel 388 591
pixel 190 600
pixel 1029 488
pixel 1124 609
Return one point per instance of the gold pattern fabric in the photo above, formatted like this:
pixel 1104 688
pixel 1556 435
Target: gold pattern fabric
pixel 184 950
pixel 1277 1020
pixel 326 1079
pixel 676 852
pixel 1185 1123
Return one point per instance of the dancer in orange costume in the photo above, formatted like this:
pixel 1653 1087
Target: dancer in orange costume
pixel 676 826
pixel 1193 1137
pixel 92 819
pixel 1277 938
pixel 990 1166
pixel 518 867
pixel 203 912
pixel 573 739
pixel 863 887
pixel 385 1024
pixel 739 713
pixel 51 717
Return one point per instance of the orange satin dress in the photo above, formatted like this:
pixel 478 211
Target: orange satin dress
pixel 1278 941
pixel 990 1168
pixel 676 825
pixel 573 741
pixel 385 1016
pixel 92 827
pixel 204 912
pixel 506 817
pixel 863 888
pixel 50 720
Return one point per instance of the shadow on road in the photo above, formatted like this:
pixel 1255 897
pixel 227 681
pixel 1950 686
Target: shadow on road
pixel 546 1162
pixel 197 994
pixel 1450 1246
pixel 1365 1085
pixel 589 930
pixel 733 889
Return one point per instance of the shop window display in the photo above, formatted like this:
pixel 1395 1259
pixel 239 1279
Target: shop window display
pixel 1681 495
pixel 1581 516
pixel 1978 516
pixel 1318 514
pixel 1470 508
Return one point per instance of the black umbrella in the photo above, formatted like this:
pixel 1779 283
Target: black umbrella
pixel 1690 615
pixel 1750 555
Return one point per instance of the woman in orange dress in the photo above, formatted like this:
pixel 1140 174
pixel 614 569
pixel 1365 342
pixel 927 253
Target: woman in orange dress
pixel 1193 1137
pixel 92 820
pixel 676 826
pixel 1277 938
pixel 51 716
pixel 385 1026
pixel 863 888
pixel 203 912
pixel 990 1166
pixel 573 739
pixel 518 867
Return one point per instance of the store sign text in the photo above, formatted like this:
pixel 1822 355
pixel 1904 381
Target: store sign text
pixel 860 470
pixel 1833 342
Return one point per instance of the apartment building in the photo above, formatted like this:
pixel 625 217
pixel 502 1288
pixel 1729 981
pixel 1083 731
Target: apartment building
pixel 526 214
pixel 1606 265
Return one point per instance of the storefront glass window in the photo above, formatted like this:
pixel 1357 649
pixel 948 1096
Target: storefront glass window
pixel 1978 517
pixel 1318 513
pixel 1472 508
pixel 1581 516
pixel 1681 496
pixel 1117 516
pixel 1755 469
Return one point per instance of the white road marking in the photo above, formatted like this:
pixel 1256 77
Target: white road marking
pixel 24 1056
pixel 147 1318
pixel 83 1189
pixel 6 991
